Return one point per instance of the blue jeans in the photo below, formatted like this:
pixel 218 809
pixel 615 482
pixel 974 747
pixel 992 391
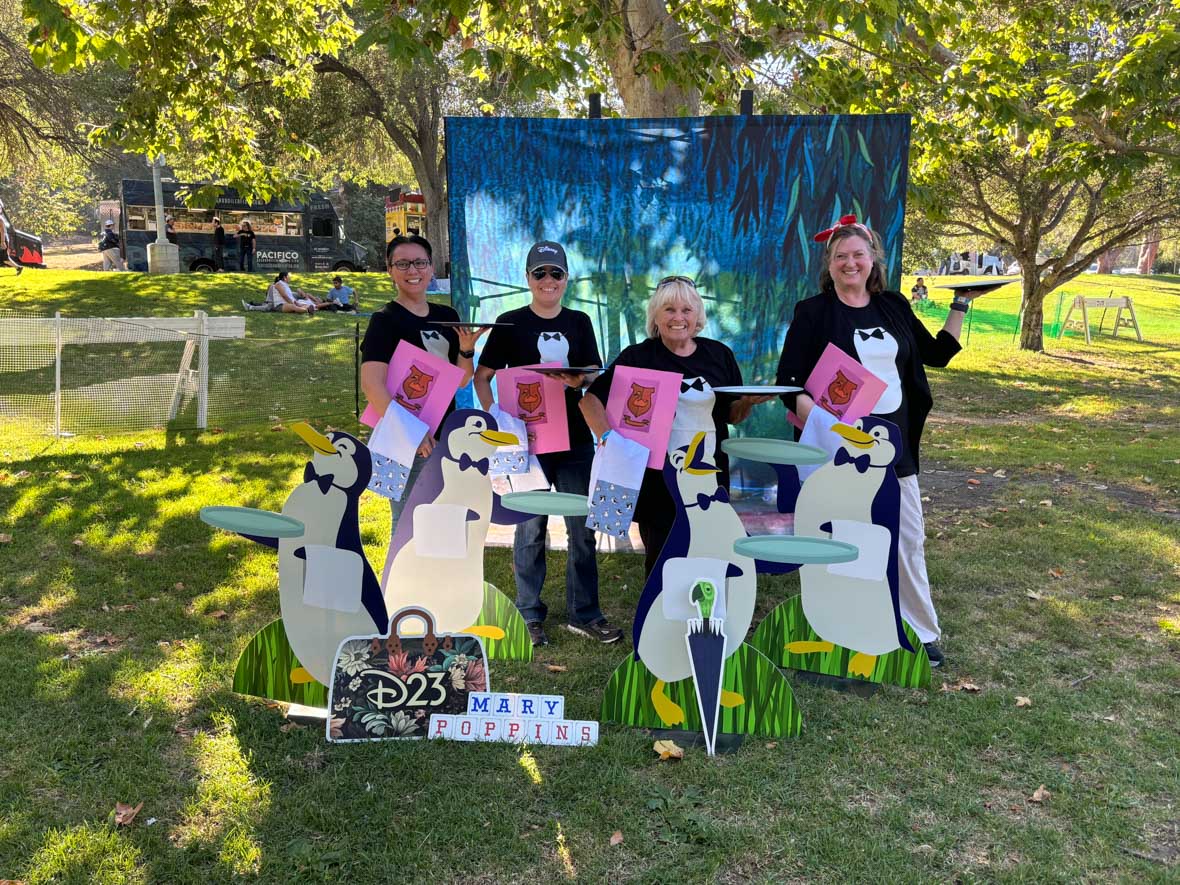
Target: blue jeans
pixel 569 472
pixel 246 261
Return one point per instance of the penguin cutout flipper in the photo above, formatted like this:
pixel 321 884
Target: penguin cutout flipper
pixel 788 487
pixel 886 512
pixel 272 543
pixel 675 546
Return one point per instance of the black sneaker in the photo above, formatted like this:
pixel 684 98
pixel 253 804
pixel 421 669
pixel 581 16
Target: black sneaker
pixel 537 633
pixel 937 658
pixel 600 630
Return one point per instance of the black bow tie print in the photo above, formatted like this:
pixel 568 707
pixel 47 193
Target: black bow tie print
pixel 876 333
pixel 466 461
pixel 696 384
pixel 431 336
pixel 705 501
pixel 550 336
pixel 861 462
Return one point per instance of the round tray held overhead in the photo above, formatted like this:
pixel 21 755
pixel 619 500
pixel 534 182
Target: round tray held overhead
pixel 794 549
pixel 251 521
pixel 546 503
pixel 773 451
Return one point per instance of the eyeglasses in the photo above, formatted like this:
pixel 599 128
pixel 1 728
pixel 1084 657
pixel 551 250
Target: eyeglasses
pixel 417 263
pixel 677 278
pixel 539 273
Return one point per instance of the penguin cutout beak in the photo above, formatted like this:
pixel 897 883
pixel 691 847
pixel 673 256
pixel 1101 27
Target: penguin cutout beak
pixel 694 460
pixel 499 438
pixel 314 438
pixel 858 438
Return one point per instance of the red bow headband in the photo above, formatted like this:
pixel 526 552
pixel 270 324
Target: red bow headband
pixel 845 221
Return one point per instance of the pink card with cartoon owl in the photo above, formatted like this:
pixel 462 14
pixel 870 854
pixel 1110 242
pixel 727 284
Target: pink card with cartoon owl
pixel 539 401
pixel 641 406
pixel 421 383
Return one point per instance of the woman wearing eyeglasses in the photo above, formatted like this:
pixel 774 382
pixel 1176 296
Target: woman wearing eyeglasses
pixel 544 331
pixel 859 315
pixel 675 317
pixel 408 317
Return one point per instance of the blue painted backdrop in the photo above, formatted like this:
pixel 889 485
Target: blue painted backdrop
pixel 731 201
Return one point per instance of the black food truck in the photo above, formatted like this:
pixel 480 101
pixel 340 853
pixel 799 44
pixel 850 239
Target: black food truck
pixel 290 236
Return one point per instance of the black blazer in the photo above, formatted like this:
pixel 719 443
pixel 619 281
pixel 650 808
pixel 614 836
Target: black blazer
pixel 818 322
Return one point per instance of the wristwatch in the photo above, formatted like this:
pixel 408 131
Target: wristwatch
pixel 467 354
pixel 961 304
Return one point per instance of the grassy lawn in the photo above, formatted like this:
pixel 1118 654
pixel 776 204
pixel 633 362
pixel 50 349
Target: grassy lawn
pixel 1053 526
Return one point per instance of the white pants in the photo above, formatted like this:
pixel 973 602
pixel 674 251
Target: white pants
pixel 914 587
pixel 112 260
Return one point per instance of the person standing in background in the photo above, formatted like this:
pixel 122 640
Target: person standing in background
pixel 108 245
pixel 218 245
pixel 246 241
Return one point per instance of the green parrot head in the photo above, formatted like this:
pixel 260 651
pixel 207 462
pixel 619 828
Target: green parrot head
pixel 703 595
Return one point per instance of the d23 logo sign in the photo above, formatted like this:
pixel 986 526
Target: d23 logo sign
pixel 388 687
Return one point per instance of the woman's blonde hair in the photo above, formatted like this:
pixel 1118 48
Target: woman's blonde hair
pixel 671 289
pixel 876 280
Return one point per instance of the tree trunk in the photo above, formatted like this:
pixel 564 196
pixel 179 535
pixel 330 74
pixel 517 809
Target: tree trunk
pixel 1107 259
pixel 647 24
pixel 1032 325
pixel 1149 250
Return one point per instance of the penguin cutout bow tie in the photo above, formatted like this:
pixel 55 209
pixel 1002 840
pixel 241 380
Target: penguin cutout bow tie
pixel 695 384
pixel 550 336
pixel 876 333
pixel 324 481
pixel 466 461
pixel 861 462
pixel 706 501
pixel 432 336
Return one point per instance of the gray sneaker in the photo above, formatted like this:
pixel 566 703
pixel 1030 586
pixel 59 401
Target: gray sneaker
pixel 600 630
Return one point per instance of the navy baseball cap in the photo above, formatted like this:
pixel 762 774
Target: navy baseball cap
pixel 546 254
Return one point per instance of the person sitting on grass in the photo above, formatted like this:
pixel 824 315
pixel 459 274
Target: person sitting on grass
pixel 281 299
pixel 341 295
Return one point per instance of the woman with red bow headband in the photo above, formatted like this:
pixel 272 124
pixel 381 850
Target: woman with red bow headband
pixel 855 311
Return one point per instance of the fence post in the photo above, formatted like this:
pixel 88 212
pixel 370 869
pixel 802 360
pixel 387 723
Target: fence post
pixel 356 369
pixel 57 374
pixel 202 369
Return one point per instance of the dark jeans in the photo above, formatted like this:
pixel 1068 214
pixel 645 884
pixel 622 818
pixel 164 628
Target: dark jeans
pixel 246 261
pixel 218 258
pixel 569 472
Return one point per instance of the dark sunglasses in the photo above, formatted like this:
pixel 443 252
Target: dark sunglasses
pixel 539 273
pixel 677 278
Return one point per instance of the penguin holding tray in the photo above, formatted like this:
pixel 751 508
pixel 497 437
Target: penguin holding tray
pixel 327 588
pixel 847 620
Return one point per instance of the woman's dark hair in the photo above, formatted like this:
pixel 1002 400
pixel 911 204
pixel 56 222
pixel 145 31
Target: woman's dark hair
pixel 282 273
pixel 411 240
pixel 876 280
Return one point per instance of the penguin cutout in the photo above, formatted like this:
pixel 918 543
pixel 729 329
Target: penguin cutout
pixel 444 573
pixel 700 593
pixel 876 350
pixel 694 414
pixel 327 589
pixel 855 606
pixel 553 347
pixel 433 341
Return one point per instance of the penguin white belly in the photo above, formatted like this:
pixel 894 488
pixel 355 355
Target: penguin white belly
pixel 661 642
pixel 856 613
pixel 313 632
pixel 450 589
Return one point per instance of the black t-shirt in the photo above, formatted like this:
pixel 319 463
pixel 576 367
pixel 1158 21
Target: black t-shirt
pixel 567 338
pixel 394 323
pixel 246 240
pixel 219 236
pixel 715 365
pixel 886 355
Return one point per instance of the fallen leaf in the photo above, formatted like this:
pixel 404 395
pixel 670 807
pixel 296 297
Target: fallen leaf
pixel 556 668
pixel 125 608
pixel 972 482
pixel 78 542
pixel 5 539
pixel 1116 599
pixel 771 745
pixel 668 750
pixel 278 427
pixel 1110 719
pixel 1022 701
pixel 1048 502
pixel 220 614
pixel 178 586
pixel 125 814
pixel 1056 573
pixel 287 727
pixel 999 474
pixel 1032 594
pixel 616 838
pixel 1040 794
pixel 961 685
pixel 37 627
pixel 21 474
pixel 140 445
pixel 980 470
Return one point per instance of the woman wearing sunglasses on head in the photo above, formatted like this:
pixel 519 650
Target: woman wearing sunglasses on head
pixel 409 317
pixel 675 317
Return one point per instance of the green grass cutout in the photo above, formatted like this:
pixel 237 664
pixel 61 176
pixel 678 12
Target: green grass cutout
pixel 500 611
pixel 769 710
pixel 264 670
pixel 787 623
